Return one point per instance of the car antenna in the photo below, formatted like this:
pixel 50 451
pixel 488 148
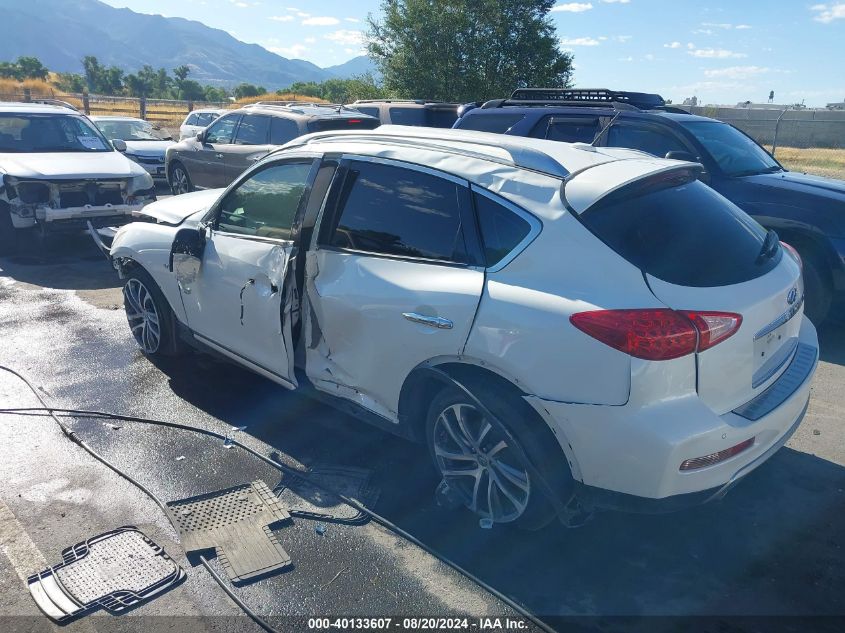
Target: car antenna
pixel 604 129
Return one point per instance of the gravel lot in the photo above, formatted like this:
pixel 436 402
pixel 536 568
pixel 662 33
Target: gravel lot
pixel 773 547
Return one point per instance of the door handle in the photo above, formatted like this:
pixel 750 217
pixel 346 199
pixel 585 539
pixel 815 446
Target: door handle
pixel 436 322
pixel 218 155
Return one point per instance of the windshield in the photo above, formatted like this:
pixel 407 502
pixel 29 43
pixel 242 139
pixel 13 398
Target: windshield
pixel 128 130
pixel 735 153
pixel 31 133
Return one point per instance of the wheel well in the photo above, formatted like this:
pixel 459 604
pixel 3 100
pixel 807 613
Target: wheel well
pixel 421 387
pixel 810 247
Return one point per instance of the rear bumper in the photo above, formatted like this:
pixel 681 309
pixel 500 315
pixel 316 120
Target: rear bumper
pixel 630 458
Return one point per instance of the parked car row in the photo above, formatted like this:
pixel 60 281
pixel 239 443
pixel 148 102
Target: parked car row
pixel 566 327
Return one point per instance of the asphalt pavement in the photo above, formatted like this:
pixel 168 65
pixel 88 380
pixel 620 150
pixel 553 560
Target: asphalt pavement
pixel 772 547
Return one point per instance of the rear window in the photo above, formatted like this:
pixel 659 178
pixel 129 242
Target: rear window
pixel 497 123
pixel 371 110
pixel 441 117
pixel 677 229
pixel 364 123
pixel 407 116
pixel 568 130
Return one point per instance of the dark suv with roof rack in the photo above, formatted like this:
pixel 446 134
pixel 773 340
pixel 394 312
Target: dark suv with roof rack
pixel 235 141
pixel 409 111
pixel 808 212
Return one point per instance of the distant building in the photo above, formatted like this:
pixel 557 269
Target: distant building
pixel 770 106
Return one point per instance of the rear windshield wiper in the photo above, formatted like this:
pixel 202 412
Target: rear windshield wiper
pixel 770 246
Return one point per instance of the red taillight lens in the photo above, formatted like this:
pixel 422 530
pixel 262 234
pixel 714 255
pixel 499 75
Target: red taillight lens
pixel 715 458
pixel 659 333
pixel 713 327
pixel 353 121
pixel 791 250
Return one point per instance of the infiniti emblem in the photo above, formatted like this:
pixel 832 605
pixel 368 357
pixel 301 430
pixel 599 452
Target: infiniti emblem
pixel 792 296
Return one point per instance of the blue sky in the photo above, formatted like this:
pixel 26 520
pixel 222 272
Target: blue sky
pixel 719 50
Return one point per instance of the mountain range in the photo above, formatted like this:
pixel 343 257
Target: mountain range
pixel 61 32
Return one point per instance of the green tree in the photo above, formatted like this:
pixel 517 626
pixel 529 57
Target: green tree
pixel 8 70
pixel 31 68
pixel 102 80
pixel 181 73
pixel 468 50
pixel 248 90
pixel 70 82
pixel 213 93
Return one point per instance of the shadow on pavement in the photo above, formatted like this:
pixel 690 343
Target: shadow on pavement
pixel 772 546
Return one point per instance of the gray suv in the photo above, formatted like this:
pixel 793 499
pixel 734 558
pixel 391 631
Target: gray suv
pixel 219 153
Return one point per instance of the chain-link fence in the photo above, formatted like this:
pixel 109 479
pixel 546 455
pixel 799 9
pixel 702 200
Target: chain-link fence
pixel 784 128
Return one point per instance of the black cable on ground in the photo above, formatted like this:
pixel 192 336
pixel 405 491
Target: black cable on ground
pixel 80 413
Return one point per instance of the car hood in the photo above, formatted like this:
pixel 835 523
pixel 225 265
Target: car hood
pixel 148 148
pixel 802 183
pixel 175 210
pixel 69 165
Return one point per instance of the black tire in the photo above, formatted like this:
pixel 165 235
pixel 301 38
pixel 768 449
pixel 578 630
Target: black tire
pixel 175 179
pixel 818 296
pixel 535 440
pixel 9 235
pixel 166 343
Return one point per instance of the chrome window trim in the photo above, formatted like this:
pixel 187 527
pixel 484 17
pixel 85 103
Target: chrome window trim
pixel 534 222
pixel 404 164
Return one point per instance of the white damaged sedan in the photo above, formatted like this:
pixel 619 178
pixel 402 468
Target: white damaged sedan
pixel 565 327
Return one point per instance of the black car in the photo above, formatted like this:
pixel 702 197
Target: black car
pixel 807 212
pixel 234 142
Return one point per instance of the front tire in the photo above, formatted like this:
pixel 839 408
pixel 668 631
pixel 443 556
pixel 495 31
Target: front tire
pixel 486 466
pixel 180 181
pixel 150 318
pixel 817 292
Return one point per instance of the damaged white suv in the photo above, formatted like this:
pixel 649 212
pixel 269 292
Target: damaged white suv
pixel 59 172
pixel 565 327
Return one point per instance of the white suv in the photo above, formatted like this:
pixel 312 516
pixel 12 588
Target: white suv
pixel 59 173
pixel 565 327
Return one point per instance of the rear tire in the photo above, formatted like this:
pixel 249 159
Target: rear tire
pixel 180 180
pixel 460 439
pixel 150 317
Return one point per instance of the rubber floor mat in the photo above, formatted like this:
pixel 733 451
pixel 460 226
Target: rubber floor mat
pixel 305 498
pixel 113 571
pixel 235 523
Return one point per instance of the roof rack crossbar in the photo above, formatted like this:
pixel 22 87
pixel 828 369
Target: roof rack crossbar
pixel 521 156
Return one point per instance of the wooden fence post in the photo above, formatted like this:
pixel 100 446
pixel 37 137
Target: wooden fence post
pixel 142 104
pixel 27 95
pixel 86 102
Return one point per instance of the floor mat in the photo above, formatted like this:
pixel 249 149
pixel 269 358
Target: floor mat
pixel 235 523
pixel 306 498
pixel 113 571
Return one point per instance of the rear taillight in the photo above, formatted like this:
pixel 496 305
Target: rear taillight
pixel 715 458
pixel 791 250
pixel 659 333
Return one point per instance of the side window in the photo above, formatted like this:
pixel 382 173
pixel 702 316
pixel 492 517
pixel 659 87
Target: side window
pixel 644 138
pixel 253 130
pixel 265 204
pixel 397 211
pixel 501 229
pixel 407 116
pixel 497 123
pixel 223 130
pixel 569 129
pixel 204 119
pixel 283 130
pixel 371 110
pixel 192 119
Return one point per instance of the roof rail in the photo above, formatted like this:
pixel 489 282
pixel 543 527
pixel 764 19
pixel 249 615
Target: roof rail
pixel 416 101
pixel 585 97
pixel 520 155
pixel 55 102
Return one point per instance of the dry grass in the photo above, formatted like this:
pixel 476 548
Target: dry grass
pixel 275 97
pixel 819 162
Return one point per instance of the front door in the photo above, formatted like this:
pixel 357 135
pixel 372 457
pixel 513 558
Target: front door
pixel 251 145
pixel 239 301
pixel 393 281
pixel 208 169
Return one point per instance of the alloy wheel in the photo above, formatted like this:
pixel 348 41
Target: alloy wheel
pixel 180 181
pixel 477 459
pixel 142 315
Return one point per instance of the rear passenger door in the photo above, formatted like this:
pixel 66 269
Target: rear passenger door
pixel 394 279
pixel 251 144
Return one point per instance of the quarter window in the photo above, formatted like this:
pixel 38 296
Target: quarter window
pixel 253 130
pixel 283 130
pixel 222 131
pixel 397 211
pixel 265 205
pixel 501 229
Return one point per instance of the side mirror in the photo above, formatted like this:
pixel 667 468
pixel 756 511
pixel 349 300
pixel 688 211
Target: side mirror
pixel 687 156
pixel 119 144
pixel 188 245
pixel 201 136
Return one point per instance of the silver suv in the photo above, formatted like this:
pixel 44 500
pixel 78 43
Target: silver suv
pixel 59 172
